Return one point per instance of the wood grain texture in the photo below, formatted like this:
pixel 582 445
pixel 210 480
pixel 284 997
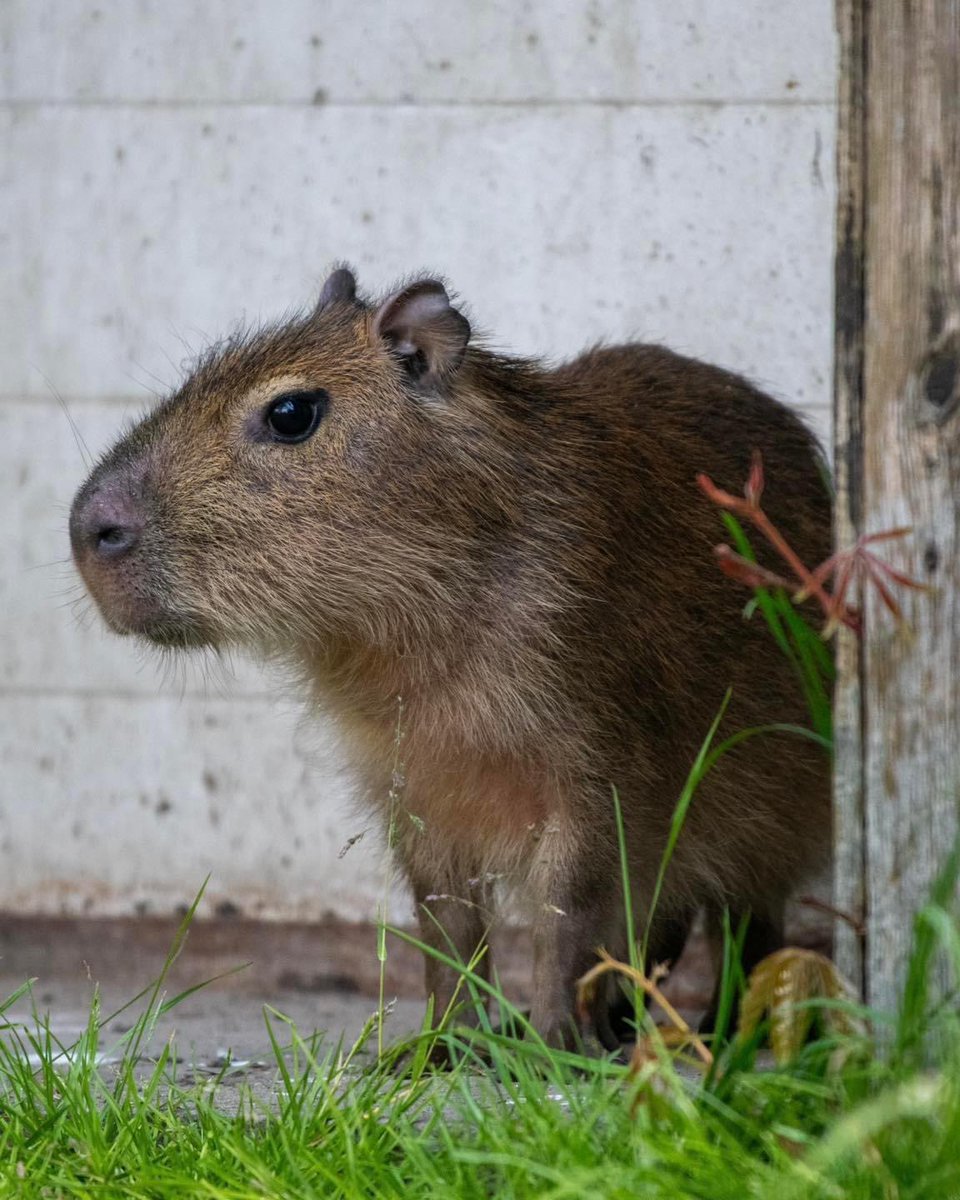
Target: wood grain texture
pixel 899 457
pixel 848 453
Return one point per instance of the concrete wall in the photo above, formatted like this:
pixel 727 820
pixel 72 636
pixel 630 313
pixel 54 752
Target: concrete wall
pixel 578 170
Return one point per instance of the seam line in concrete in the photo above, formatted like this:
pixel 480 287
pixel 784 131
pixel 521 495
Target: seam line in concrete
pixel 116 398
pixel 714 102
pixel 31 692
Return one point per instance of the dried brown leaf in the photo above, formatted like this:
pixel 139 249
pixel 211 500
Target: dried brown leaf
pixel 780 987
pixel 586 992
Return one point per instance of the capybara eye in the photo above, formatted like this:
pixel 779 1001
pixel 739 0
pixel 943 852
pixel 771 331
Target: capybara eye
pixel 294 416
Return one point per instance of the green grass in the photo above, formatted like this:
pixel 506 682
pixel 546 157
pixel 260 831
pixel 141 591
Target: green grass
pixel 511 1119
pixel 796 639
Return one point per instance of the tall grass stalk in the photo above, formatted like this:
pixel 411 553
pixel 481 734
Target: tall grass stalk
pixel 799 642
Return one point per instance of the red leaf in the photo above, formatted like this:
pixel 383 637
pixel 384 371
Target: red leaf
pixel 754 489
pixel 735 566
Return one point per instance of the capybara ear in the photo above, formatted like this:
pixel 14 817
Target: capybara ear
pixel 424 331
pixel 340 288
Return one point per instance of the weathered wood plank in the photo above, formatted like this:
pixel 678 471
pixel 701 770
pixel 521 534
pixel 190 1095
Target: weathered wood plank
pixel 899 440
pixel 848 452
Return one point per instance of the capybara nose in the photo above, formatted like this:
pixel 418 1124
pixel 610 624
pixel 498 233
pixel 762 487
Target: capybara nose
pixel 104 523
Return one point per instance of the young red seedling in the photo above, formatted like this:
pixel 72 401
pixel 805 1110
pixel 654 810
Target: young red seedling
pixel 851 570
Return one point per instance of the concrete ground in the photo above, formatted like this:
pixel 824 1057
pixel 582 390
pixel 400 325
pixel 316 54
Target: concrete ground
pixel 324 977
pixel 218 1036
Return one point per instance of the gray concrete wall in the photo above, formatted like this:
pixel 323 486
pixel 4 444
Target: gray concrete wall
pixel 617 169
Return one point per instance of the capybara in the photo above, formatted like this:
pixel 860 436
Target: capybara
pixel 496 577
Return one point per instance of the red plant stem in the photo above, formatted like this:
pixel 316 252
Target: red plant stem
pixel 855 923
pixel 856 566
pixel 786 552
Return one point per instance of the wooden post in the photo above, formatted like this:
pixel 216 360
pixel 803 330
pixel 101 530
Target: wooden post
pixel 897 459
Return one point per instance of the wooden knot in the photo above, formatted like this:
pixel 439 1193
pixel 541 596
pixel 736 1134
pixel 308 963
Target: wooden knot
pixel 939 377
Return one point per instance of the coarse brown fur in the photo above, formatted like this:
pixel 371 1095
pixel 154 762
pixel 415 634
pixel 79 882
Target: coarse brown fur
pixel 497 578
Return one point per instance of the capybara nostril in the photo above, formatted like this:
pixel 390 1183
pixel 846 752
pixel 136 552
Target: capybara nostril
pixel 113 540
pixel 105 523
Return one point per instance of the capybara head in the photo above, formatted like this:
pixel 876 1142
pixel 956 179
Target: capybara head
pixel 291 486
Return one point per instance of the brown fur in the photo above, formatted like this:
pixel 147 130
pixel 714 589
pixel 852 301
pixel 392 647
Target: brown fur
pixel 514 563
